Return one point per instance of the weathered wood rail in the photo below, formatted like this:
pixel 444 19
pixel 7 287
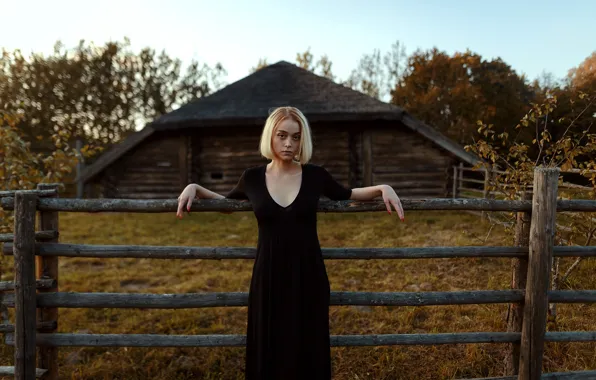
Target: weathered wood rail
pixel 36 299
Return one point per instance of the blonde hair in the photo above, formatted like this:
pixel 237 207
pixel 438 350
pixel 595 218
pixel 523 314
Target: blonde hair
pixel 275 118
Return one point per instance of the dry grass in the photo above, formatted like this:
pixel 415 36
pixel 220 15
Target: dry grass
pixel 335 230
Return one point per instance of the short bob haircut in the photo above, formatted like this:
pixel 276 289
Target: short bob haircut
pixel 275 118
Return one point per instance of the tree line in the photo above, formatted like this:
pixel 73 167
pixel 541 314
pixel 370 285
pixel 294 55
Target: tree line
pixel 100 94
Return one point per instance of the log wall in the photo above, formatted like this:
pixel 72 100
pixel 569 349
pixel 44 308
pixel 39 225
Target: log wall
pixel 356 154
pixel 219 156
pixel 149 171
pixel 331 150
pixel 410 163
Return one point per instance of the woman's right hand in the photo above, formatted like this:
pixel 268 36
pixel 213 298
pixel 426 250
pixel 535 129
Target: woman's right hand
pixel 185 199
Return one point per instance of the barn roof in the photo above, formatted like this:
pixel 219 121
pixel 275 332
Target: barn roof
pixel 248 101
pixel 280 84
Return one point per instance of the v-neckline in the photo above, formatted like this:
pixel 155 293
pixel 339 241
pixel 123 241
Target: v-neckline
pixel 271 197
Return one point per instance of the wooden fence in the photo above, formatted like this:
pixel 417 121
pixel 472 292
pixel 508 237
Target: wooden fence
pixel 469 182
pixel 36 298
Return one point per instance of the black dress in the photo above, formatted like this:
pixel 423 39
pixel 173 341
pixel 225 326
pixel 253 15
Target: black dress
pixel 288 301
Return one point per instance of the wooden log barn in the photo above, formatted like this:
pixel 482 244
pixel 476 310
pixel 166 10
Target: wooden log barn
pixel 361 141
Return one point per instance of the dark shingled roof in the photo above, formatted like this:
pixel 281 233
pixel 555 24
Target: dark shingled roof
pixel 280 84
pixel 248 101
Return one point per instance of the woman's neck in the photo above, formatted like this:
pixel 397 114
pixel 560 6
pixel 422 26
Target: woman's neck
pixel 277 167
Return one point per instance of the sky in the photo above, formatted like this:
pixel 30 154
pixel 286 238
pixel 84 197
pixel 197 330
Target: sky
pixel 533 37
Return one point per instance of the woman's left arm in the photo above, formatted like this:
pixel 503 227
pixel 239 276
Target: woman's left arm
pixel 389 197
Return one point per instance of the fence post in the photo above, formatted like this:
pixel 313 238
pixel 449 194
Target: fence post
pixel 25 287
pixel 47 267
pixel 485 192
pixel 519 271
pixel 454 181
pixel 544 209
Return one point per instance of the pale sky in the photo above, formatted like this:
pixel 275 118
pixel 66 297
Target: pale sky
pixel 531 36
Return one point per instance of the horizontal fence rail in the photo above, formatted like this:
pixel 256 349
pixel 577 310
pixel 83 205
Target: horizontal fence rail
pixel 338 298
pixel 226 205
pixel 39 193
pixel 41 235
pixel 43 283
pixel 230 340
pixel 223 253
pixel 227 299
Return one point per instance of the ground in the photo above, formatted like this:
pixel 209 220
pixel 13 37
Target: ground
pixel 378 229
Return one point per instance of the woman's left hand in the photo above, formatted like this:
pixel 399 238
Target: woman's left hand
pixel 391 199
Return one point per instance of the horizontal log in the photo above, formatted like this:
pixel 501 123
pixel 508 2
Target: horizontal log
pixel 6 370
pixel 574 251
pixel 141 187
pixel 144 170
pixel 43 283
pixel 230 299
pixel 410 167
pixel 406 173
pixel 41 326
pixel 221 253
pixel 460 188
pixel 577 171
pixel 170 195
pixel 420 191
pixel 571 336
pixel 472 180
pixel 40 236
pixel 212 205
pixel 131 179
pixel 399 183
pixel 226 299
pixel 164 340
pixel 41 193
pixel 572 296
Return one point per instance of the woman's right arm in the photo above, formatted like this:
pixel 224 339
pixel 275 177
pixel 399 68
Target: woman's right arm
pixel 194 190
pixel 191 192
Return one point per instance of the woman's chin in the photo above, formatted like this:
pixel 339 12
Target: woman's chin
pixel 286 158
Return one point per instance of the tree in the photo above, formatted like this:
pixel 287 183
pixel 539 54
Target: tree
pixel 584 74
pixel 22 169
pixel 376 74
pixel 306 61
pixel 261 64
pixel 452 93
pixel 573 150
pixel 98 94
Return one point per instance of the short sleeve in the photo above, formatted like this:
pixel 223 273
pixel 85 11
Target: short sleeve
pixel 239 191
pixel 333 189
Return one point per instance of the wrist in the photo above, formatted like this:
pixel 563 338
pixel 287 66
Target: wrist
pixel 197 189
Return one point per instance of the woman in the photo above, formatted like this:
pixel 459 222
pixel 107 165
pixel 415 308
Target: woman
pixel 288 303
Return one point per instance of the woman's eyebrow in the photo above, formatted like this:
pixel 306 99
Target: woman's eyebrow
pixel 281 130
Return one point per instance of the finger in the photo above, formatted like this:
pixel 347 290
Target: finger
pixel 188 204
pixel 179 211
pixel 395 205
pixel 400 210
pixel 388 206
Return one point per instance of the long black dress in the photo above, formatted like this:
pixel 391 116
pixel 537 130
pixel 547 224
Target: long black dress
pixel 288 302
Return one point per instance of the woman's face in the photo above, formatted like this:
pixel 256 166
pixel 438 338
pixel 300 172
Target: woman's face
pixel 286 140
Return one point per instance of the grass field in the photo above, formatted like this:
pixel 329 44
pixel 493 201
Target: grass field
pixel 335 230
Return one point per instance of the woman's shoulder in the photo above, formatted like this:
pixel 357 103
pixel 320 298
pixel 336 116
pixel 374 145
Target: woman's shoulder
pixel 253 171
pixel 314 168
